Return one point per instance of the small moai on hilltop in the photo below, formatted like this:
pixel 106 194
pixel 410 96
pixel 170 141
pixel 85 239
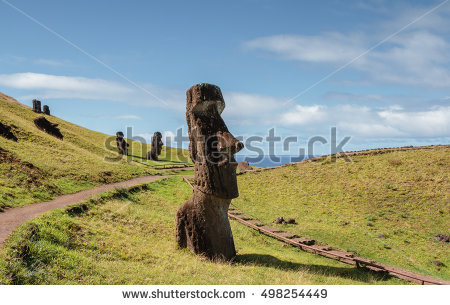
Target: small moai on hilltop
pixel 157 145
pixel 37 106
pixel 202 223
pixel 122 145
pixel 46 110
pixel 49 127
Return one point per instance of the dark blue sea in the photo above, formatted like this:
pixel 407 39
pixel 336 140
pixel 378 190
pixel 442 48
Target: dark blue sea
pixel 268 161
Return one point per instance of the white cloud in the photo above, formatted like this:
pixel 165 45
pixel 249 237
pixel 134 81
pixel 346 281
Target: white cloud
pixel 49 62
pixel 249 109
pixel 365 129
pixel 353 97
pixel 47 86
pixel 328 47
pixel 240 107
pixel 417 58
pixel 434 122
pixel 404 13
pixel 305 115
pixel 126 117
pixel 392 121
pixel 168 137
pixel 55 86
pixel 147 137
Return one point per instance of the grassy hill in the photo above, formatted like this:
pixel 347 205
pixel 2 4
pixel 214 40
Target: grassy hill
pixel 386 207
pixel 129 238
pixel 39 166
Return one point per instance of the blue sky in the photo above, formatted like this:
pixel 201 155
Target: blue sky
pixel 300 67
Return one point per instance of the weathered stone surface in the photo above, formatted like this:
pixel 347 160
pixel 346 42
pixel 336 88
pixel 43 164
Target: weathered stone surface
pixel 442 237
pixel 244 166
pixel 290 221
pixel 122 145
pixel 46 110
pixel 202 221
pixel 37 106
pixel 438 263
pixel 281 220
pixel 49 127
pixel 5 131
pixel 157 145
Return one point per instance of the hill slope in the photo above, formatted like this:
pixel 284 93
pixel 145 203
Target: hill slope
pixel 39 166
pixel 387 207
pixel 129 238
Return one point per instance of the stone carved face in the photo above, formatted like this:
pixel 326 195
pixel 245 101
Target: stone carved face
pixel 212 146
pixel 157 142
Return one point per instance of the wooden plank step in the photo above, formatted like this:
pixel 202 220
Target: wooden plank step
pixel 255 222
pixel 304 241
pixel 270 229
pixel 287 235
pixel 235 212
pixel 246 217
pixel 364 260
pixel 321 248
pixel 342 253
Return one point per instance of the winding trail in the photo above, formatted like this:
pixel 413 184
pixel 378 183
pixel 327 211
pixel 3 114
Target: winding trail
pixel 14 217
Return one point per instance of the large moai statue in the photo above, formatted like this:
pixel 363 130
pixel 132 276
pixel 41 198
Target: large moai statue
pixel 46 110
pixel 37 106
pixel 157 145
pixel 202 223
pixel 122 145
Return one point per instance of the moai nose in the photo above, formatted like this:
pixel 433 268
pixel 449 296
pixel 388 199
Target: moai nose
pixel 239 146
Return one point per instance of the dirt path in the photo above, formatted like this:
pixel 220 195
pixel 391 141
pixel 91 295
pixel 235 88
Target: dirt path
pixel 12 218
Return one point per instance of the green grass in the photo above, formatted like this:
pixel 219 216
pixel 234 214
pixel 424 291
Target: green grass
pixel 39 167
pixel 385 207
pixel 129 238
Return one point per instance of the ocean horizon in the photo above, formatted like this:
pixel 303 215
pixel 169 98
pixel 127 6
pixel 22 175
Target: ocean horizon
pixel 269 160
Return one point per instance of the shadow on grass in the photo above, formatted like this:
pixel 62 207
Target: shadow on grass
pixel 265 260
pixel 171 162
pixel 138 157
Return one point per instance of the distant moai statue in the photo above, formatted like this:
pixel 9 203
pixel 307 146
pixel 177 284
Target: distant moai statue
pixel 202 223
pixel 46 110
pixel 5 131
pixel 122 145
pixel 157 145
pixel 49 127
pixel 37 106
pixel 243 166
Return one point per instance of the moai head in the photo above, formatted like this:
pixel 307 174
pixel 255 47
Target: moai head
pixel 157 142
pixel 36 106
pixel 212 146
pixel 121 143
pixel 46 110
